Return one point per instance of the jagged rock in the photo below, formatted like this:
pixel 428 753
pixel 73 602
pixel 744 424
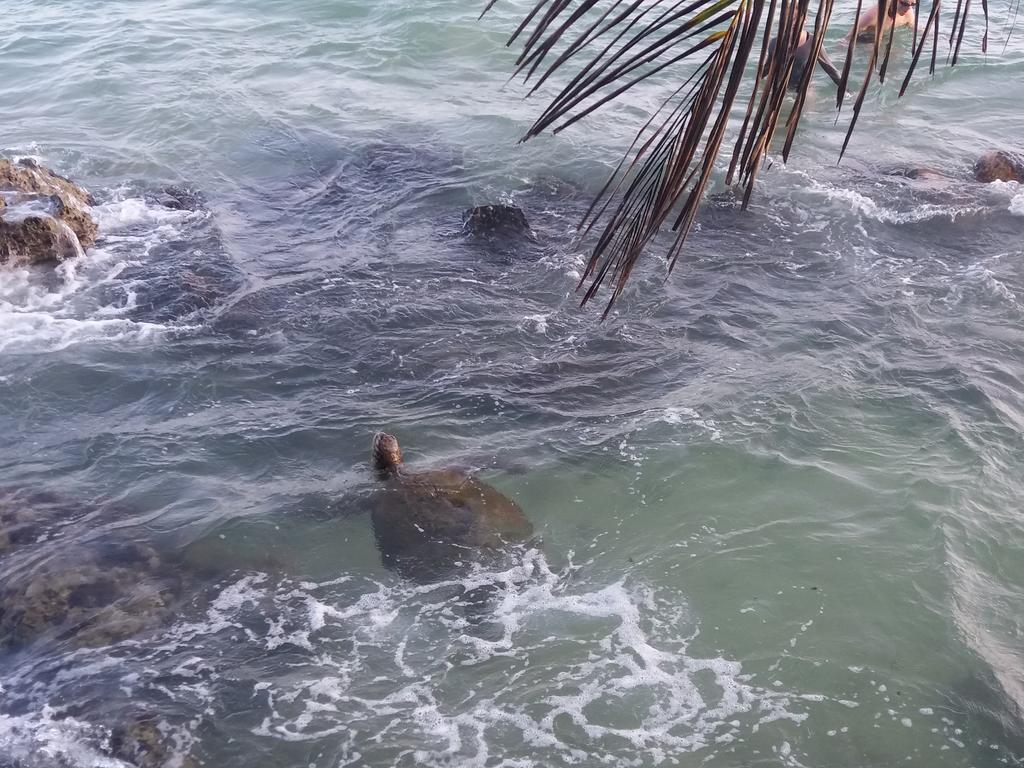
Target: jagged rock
pixel 36 239
pixel 88 603
pixel 39 210
pixel 997 165
pixel 495 221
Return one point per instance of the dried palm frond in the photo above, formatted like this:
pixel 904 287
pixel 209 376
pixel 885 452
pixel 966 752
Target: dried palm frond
pixel 611 46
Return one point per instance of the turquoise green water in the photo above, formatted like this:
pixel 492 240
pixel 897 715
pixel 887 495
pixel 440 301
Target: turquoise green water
pixel 779 493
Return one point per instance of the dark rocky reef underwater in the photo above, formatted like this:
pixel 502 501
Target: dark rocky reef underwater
pixel 70 583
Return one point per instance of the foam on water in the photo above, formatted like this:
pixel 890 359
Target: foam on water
pixel 1016 206
pixel 45 309
pixel 544 667
pixel 40 740
pixel 863 205
pixel 391 672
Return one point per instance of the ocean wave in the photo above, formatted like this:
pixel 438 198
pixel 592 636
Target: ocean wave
pixel 865 206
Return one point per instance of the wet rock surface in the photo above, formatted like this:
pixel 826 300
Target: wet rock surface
pixel 496 221
pixel 85 594
pixel 36 238
pixel 44 217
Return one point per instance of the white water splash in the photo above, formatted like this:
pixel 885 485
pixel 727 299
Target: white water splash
pixel 868 208
pixel 536 323
pixel 1016 206
pixel 45 309
pixel 397 673
pixel 40 741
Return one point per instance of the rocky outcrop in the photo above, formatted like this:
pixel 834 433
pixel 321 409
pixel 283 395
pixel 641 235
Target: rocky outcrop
pixel 35 239
pixel 997 165
pixel 44 217
pixel 496 221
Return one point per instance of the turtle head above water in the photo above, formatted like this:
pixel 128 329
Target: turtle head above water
pixel 386 455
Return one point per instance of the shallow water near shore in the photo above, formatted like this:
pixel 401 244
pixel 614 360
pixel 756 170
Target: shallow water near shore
pixel 778 493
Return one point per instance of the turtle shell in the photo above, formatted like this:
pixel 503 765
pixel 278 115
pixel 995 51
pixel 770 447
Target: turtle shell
pixel 430 521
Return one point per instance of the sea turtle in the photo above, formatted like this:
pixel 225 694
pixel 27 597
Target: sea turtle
pixel 428 522
pixel 998 165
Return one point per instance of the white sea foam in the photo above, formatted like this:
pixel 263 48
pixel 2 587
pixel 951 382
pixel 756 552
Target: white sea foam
pixel 684 415
pixel 868 208
pixel 399 672
pixel 1016 206
pixel 123 213
pixel 43 310
pixel 978 281
pixel 41 741
pixel 536 323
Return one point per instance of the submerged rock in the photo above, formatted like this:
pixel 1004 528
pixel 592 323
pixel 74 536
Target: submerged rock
pixel 88 598
pixel 917 173
pixel 177 197
pixel 997 165
pixel 56 586
pixel 496 221
pixel 30 516
pixel 44 217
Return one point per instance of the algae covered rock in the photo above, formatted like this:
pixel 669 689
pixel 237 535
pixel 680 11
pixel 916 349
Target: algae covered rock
pixel 89 598
pixel 142 743
pixel 491 221
pixel 58 584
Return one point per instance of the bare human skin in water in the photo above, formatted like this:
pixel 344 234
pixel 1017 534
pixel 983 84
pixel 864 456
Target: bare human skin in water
pixel 864 29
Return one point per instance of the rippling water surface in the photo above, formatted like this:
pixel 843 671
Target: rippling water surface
pixel 779 493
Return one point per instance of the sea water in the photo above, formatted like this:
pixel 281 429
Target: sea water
pixel 779 492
